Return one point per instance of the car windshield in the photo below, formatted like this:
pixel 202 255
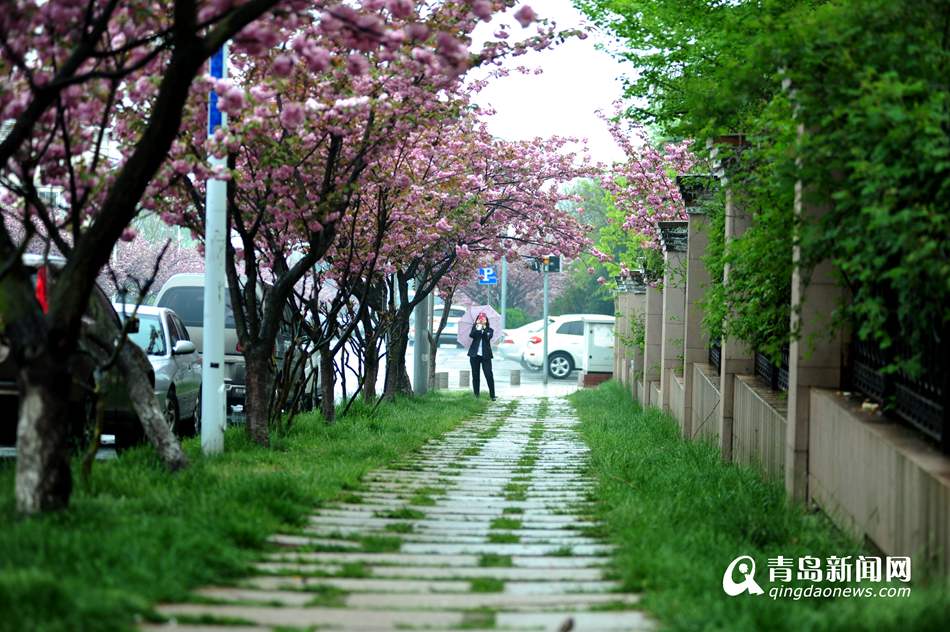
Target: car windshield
pixel 188 302
pixel 149 336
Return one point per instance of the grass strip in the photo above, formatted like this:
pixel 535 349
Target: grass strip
pixel 139 535
pixel 679 515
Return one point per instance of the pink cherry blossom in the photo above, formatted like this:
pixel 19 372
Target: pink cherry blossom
pixel 525 16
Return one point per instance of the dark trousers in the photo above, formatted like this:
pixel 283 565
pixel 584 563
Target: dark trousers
pixel 486 367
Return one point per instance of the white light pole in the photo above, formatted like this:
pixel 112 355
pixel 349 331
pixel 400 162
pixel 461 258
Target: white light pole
pixel 504 292
pixel 544 365
pixel 213 399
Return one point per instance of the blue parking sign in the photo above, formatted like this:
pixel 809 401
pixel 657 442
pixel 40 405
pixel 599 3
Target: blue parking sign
pixel 487 276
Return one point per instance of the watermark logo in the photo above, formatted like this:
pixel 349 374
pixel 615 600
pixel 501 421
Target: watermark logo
pixel 746 568
pixel 813 577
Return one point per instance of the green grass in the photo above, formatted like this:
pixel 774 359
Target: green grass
pixel 679 515
pixel 399 527
pixel 513 510
pixel 139 535
pixel 354 570
pixel 543 408
pixel 421 500
pixel 502 537
pixel 405 513
pixel 380 543
pixel 506 523
pixel 487 585
pixel 493 560
pixel 325 596
pixel 478 619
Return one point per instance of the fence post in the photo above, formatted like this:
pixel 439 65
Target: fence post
pixel 651 343
pixel 815 352
pixel 695 338
pixel 736 358
pixel 673 239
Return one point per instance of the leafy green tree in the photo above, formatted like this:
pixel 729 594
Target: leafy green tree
pixel 868 82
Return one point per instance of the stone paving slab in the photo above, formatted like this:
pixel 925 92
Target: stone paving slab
pixel 471 601
pixel 517 573
pixel 338 618
pixel 602 621
pixel 453 561
pixel 448 568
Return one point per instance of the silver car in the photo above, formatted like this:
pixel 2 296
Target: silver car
pixel 176 363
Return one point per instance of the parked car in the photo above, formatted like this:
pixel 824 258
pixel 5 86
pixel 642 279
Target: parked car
pixel 175 361
pixel 184 294
pixel 450 333
pixel 119 418
pixel 565 344
pixel 512 345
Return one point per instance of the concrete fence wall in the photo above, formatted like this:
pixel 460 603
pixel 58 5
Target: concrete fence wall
pixel 877 480
pixel 705 402
pixel 880 480
pixel 759 427
pixel 677 397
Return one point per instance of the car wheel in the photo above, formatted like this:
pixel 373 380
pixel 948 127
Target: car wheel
pixel 171 412
pixel 560 365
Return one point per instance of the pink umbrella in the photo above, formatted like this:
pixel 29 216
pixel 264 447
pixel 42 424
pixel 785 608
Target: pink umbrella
pixel 468 320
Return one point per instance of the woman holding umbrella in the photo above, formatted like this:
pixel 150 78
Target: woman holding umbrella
pixel 480 355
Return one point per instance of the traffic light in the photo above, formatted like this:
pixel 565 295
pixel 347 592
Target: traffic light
pixel 548 263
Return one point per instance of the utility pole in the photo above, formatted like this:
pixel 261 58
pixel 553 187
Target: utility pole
pixel 544 365
pixel 504 292
pixel 213 398
pixel 420 351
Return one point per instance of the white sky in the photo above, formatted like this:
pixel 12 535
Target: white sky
pixel 577 81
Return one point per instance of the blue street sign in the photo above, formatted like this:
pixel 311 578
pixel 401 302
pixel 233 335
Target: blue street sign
pixel 487 276
pixel 217 71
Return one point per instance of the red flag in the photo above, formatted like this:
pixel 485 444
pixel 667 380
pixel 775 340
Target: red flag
pixel 41 289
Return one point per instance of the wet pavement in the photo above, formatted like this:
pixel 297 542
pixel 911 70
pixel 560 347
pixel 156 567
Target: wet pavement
pixel 488 527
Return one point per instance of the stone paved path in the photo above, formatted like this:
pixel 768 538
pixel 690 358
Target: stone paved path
pixel 485 528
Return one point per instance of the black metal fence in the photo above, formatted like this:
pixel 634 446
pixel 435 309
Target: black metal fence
pixel 775 376
pixel 715 354
pixel 918 399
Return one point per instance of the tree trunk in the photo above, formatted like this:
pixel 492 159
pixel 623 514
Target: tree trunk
pixel 397 378
pixel 370 368
pixel 327 384
pixel 135 367
pixel 259 381
pixel 43 478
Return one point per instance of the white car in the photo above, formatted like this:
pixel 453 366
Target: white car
pixel 565 345
pixel 175 361
pixel 512 344
pixel 450 333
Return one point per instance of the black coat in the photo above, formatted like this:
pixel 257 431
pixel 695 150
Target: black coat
pixel 483 338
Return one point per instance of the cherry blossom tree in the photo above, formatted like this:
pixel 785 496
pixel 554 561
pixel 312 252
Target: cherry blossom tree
pixel 68 70
pixel 297 151
pixel 638 194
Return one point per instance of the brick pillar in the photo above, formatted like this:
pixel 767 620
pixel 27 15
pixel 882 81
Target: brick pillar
pixel 695 338
pixel 673 239
pixel 814 356
pixel 737 357
pixel 674 303
pixel 652 340
pixel 619 328
pixel 633 355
